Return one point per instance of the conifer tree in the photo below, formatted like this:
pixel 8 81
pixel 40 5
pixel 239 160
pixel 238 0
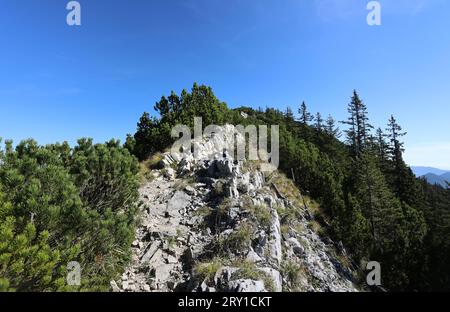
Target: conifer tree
pixel 359 126
pixel 382 146
pixel 305 116
pixel 163 107
pixel 318 122
pixel 353 228
pixel 396 146
pixel 402 177
pixel 331 127
pixel 149 136
pixel 378 203
pixel 289 115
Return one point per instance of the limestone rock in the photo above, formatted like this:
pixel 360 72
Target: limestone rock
pixel 275 276
pixel 253 257
pixel 190 190
pixel 180 200
pixel 247 285
pixel 114 286
pixel 151 251
pixel 181 228
pixel 296 246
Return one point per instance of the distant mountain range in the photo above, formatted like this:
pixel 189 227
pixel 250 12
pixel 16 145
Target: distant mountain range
pixel 432 175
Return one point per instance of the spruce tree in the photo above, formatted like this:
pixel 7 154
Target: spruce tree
pixel 378 203
pixel 289 115
pixel 305 116
pixel 402 177
pixel 382 145
pixel 396 146
pixel 380 148
pixel 359 126
pixel 318 123
pixel 331 128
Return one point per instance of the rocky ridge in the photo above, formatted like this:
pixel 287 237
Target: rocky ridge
pixel 210 223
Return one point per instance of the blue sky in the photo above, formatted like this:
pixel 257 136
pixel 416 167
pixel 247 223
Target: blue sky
pixel 60 83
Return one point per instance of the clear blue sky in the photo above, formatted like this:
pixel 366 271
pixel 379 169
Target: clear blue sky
pixel 60 83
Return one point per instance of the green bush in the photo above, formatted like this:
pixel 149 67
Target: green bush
pixel 58 205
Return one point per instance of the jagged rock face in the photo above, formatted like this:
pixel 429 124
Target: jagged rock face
pixel 202 211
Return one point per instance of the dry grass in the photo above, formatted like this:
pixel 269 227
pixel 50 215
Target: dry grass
pixel 288 189
pixel 317 228
pixel 219 189
pixel 248 270
pixel 153 161
pixel 182 184
pixel 293 273
pixel 260 212
pixel 251 165
pixel 145 173
pixel 222 210
pixel 205 271
pixel 203 211
pixel 285 229
pixel 239 240
pixel 146 167
pixel 299 228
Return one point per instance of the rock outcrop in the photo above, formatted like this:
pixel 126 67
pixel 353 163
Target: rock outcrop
pixel 210 223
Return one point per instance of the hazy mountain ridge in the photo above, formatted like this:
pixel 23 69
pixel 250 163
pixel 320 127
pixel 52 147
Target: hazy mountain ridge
pixel 432 175
pixel 435 179
pixel 420 171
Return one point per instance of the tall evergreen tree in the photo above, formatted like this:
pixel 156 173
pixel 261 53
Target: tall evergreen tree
pixel 318 122
pixel 163 107
pixel 378 203
pixel 331 127
pixel 289 115
pixel 381 149
pixel 359 126
pixel 305 116
pixel 382 145
pixel 396 146
pixel 402 177
pixel 397 230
